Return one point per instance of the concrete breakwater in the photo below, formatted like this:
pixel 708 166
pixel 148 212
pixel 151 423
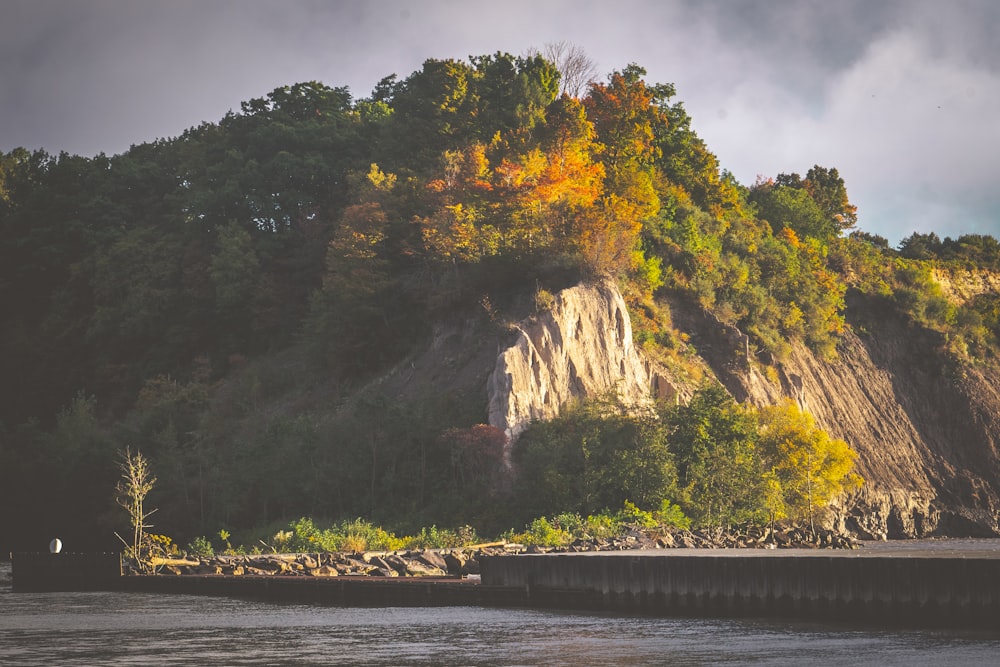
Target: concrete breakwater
pixel 912 590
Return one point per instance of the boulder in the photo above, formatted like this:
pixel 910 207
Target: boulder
pixel 455 563
pixel 397 563
pixel 471 565
pixel 380 563
pixel 417 568
pixel 432 559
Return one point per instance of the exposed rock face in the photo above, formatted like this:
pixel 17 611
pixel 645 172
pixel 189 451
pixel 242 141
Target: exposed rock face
pixel 927 432
pixel 581 347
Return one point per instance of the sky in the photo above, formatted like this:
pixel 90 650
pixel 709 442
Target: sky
pixel 901 96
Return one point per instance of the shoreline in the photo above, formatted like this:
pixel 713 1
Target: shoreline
pixel 957 585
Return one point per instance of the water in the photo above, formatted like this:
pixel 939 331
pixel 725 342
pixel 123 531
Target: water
pixel 141 629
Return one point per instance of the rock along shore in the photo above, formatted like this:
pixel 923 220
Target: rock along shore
pixel 460 562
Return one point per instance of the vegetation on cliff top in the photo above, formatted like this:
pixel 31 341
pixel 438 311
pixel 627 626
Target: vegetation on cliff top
pixel 190 293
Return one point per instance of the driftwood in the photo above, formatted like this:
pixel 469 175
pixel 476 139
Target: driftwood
pixel 157 561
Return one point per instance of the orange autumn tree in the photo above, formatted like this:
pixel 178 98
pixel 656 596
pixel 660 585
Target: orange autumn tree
pixel 462 226
pixel 532 200
pixel 626 120
pixel 552 186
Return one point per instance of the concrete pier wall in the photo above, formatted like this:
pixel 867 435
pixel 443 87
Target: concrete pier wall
pixel 937 591
pixel 344 591
pixel 913 591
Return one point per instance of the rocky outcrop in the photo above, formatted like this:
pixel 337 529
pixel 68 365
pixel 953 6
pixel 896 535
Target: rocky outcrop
pixel 963 285
pixel 582 346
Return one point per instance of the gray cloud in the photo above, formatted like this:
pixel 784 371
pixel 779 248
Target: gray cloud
pixel 900 96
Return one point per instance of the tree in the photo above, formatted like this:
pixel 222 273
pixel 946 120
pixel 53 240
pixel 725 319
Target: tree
pixel 921 246
pixel 576 70
pixel 509 95
pixel 477 457
pixel 626 121
pixel 810 467
pixel 783 204
pixel 815 206
pixel 234 269
pixel 624 116
pixel 827 189
pixel 430 113
pixel 349 316
pixel 135 484
pixel 718 470
pixel 593 457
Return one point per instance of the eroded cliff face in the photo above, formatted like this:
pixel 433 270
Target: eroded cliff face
pixel 927 432
pixel 925 429
pixel 582 346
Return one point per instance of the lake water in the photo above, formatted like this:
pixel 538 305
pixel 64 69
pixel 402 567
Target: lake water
pixel 141 629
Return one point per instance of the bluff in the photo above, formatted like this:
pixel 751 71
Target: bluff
pixel 926 429
pixel 580 346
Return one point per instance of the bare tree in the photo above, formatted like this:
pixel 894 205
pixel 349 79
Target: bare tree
pixel 133 487
pixel 576 69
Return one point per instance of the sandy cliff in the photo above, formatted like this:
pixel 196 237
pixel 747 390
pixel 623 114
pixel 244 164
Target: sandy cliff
pixel 581 346
pixel 927 432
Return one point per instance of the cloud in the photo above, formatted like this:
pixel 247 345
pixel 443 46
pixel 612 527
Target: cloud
pixel 908 123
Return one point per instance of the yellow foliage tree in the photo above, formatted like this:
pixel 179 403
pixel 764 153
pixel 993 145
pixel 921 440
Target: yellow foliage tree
pixel 810 468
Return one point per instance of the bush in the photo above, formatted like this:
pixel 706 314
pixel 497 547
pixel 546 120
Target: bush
pixel 201 547
pixel 601 526
pixel 632 515
pixel 542 533
pixel 441 538
pixel 672 516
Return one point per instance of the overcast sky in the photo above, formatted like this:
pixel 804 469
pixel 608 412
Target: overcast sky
pixel 902 96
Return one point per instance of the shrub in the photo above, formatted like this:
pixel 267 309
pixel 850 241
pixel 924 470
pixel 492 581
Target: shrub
pixel 201 547
pixel 672 516
pixel 441 538
pixel 541 532
pixel 544 300
pixel 359 535
pixel 632 515
pixel 601 526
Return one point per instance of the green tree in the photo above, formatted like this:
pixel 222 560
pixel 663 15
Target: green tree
pixel 594 456
pixel 827 189
pixel 784 205
pixel 718 470
pixel 234 270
